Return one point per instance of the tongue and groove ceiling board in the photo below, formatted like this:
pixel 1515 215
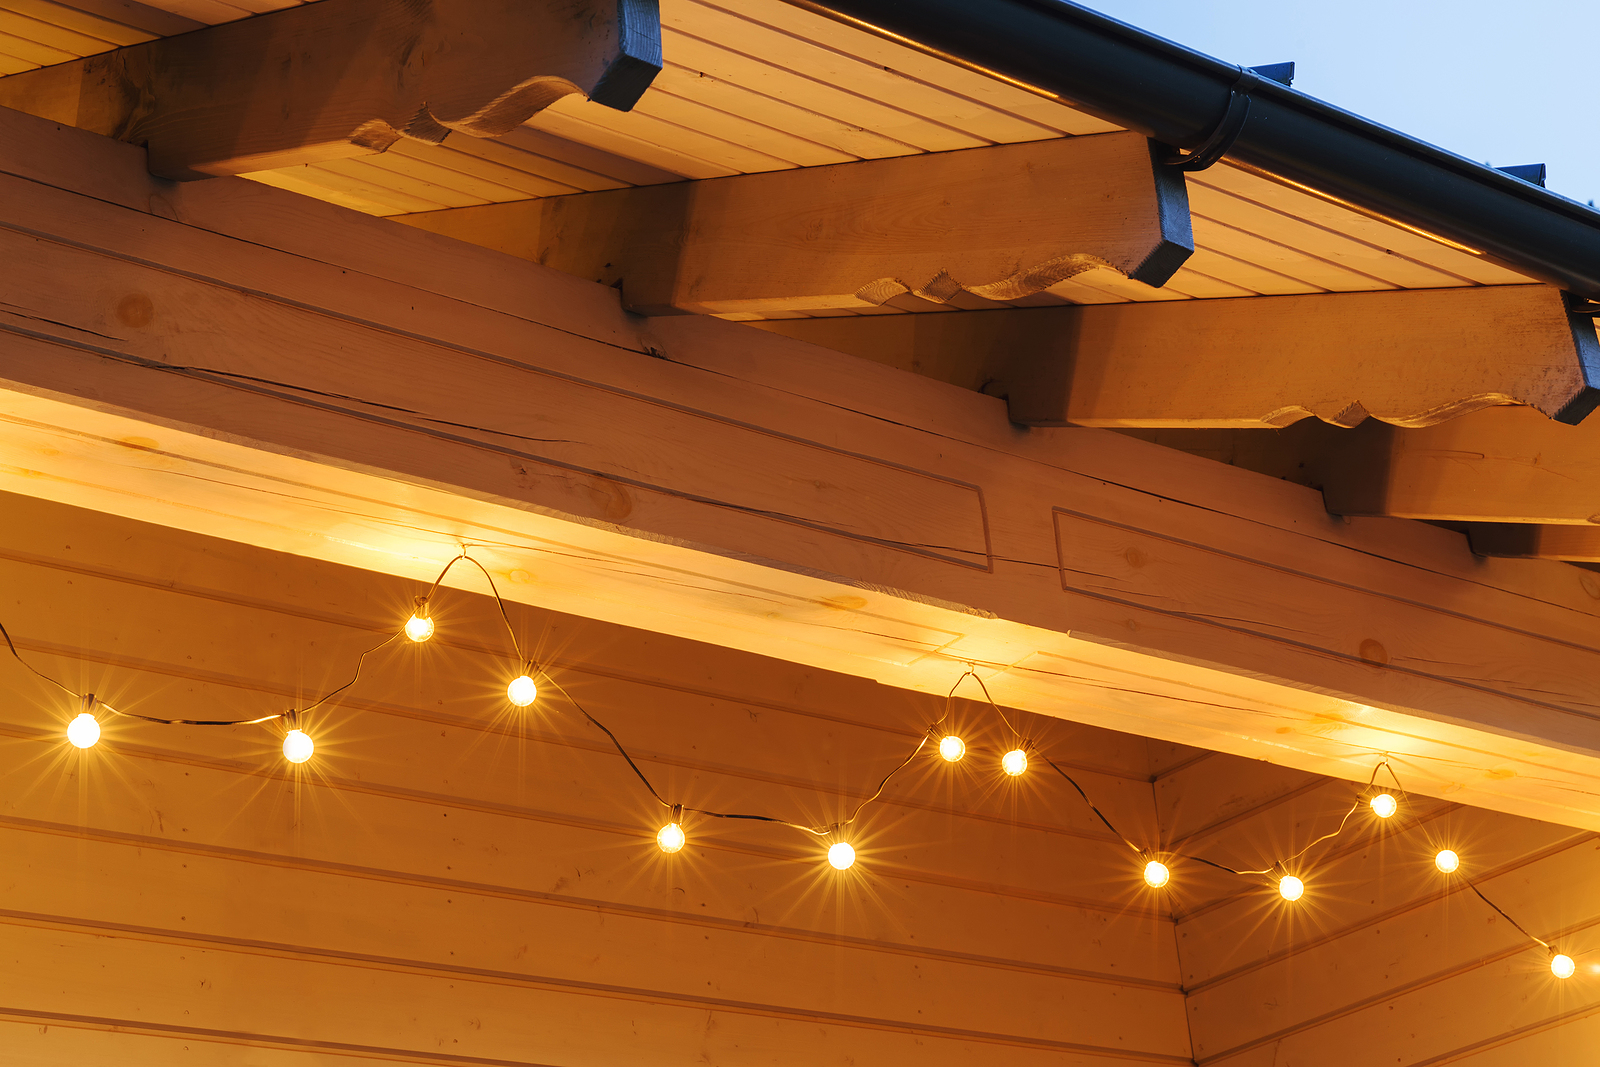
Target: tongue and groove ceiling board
pixel 762 85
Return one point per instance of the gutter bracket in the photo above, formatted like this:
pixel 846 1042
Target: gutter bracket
pixel 1227 129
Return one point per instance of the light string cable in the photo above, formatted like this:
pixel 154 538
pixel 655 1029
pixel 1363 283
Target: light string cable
pixel 420 628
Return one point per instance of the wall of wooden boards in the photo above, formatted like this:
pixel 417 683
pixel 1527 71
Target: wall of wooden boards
pixel 451 881
pixel 1384 960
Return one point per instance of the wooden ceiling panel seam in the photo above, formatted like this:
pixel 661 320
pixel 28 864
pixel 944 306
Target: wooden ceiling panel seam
pixel 685 78
pixel 299 180
pixel 931 92
pixel 1285 259
pixel 565 155
pixel 435 166
pixel 117 31
pixel 1266 280
pixel 74 43
pixel 663 104
pixel 1300 203
pixel 572 127
pixel 1191 281
pixel 41 55
pixel 10 64
pixel 362 188
pixel 521 184
pixel 908 62
pixel 859 109
pixel 146 19
pixel 735 156
pixel 372 171
pixel 1210 206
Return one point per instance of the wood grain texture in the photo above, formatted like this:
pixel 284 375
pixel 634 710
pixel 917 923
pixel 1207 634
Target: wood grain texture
pixel 1503 465
pixel 325 384
pixel 1410 359
pixel 859 234
pixel 343 78
pixel 462 883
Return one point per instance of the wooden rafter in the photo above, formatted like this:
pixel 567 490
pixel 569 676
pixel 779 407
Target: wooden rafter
pixel 347 77
pixel 1409 358
pixel 995 223
pixel 277 371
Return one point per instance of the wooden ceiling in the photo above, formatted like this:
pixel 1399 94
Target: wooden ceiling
pixel 760 85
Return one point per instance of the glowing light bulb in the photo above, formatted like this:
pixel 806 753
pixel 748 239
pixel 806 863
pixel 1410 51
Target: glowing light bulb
pixel 841 856
pixel 1291 888
pixel 670 838
pixel 419 628
pixel 1384 806
pixel 1014 762
pixel 523 692
pixel 1447 861
pixel 1156 874
pixel 297 746
pixel 1561 965
pixel 952 748
pixel 83 731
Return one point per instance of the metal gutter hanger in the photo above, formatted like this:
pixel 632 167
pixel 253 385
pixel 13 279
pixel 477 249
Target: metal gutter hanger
pixel 1183 98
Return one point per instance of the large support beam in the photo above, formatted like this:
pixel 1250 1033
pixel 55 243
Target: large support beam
pixel 347 77
pixel 1409 358
pixel 1509 465
pixel 249 364
pixel 1522 540
pixel 998 223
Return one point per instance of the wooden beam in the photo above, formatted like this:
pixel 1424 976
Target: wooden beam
pixel 992 223
pixel 278 371
pixel 1522 540
pixel 346 78
pixel 1409 358
pixel 1508 465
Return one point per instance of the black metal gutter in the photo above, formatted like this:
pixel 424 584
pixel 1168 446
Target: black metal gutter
pixel 1181 97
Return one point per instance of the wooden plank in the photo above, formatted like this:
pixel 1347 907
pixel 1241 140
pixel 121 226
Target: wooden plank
pixel 857 235
pixel 1408 358
pixel 97 16
pixel 1524 540
pixel 340 80
pixel 1500 465
pixel 431 393
pixel 910 65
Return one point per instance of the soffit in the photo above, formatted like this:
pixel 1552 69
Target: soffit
pixel 761 85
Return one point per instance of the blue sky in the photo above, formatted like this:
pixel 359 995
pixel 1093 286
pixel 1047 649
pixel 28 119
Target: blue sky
pixel 1502 83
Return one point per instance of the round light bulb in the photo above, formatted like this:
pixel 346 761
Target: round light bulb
pixel 1384 806
pixel 1561 965
pixel 952 748
pixel 523 692
pixel 1014 762
pixel 1291 888
pixel 841 856
pixel 1156 874
pixel 1447 861
pixel 297 746
pixel 670 838
pixel 83 731
pixel 419 628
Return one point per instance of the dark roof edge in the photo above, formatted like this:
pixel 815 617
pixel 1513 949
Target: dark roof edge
pixel 1179 96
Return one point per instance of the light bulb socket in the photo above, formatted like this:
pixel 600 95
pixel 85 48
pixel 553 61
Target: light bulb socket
pixel 291 719
pixel 87 704
pixel 677 813
pixel 421 610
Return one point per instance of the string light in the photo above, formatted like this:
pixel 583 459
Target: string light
pixel 83 731
pixel 522 691
pixel 420 626
pixel 298 747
